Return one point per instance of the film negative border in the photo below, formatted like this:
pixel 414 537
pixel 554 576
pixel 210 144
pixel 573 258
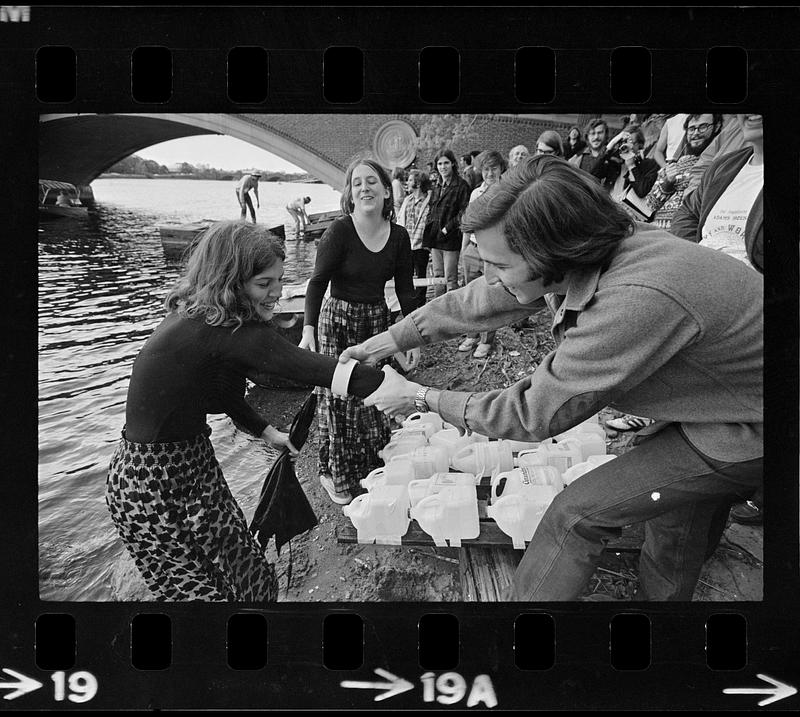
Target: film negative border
pixel 591 656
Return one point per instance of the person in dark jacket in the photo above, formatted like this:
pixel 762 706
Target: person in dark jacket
pixel 443 227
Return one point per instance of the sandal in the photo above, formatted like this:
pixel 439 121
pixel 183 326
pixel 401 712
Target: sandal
pixel 338 497
pixel 629 423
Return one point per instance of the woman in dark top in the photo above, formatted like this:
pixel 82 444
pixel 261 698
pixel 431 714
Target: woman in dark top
pixel 357 255
pixel 165 490
pixel 574 144
pixel 443 227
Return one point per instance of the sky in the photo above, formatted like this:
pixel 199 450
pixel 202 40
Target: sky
pixel 217 151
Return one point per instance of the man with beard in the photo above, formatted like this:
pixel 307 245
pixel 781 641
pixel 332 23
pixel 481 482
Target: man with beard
pixel 596 158
pixel 674 177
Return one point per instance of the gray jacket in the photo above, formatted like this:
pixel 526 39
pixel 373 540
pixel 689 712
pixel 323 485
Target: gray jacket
pixel 669 330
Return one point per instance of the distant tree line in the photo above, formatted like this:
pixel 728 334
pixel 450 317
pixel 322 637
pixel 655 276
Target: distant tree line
pixel 135 165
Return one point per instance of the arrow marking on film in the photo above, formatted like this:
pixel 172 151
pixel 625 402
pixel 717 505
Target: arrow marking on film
pixel 395 686
pixel 778 691
pixel 23 685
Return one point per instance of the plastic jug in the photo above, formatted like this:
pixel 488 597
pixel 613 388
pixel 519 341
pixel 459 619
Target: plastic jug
pixel 519 515
pixel 419 489
pixel 517 446
pixel 483 459
pixel 397 472
pixel 592 444
pixel 402 446
pixel 380 516
pixel 561 455
pixel 422 429
pixel 521 479
pixel 580 469
pixel 418 419
pixel 427 460
pixel 451 514
pixel 453 442
pixel 590 425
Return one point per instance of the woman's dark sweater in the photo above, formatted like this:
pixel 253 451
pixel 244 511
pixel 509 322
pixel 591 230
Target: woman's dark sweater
pixel 357 274
pixel 188 369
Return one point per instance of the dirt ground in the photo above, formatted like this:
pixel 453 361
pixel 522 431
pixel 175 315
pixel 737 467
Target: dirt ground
pixel 323 570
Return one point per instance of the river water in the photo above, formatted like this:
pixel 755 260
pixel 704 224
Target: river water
pixel 102 281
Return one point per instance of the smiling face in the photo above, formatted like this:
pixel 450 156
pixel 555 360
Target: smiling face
pixel 517 154
pixel 491 174
pixel 597 136
pixel 574 136
pixel 752 127
pixel 264 289
pixel 445 168
pixel 699 131
pixel 505 267
pixel 368 191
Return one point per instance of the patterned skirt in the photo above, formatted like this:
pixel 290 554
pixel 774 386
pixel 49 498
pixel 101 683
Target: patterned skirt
pixel 350 433
pixel 176 515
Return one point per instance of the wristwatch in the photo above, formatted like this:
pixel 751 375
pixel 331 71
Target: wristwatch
pixel 419 400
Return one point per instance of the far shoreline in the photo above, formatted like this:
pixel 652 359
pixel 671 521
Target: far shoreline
pixel 114 175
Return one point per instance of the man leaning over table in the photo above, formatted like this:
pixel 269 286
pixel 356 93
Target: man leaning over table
pixel 638 326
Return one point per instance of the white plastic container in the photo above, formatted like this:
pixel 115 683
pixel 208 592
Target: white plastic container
pixel 519 515
pixel 434 419
pixel 403 445
pixel 483 459
pixel 522 479
pixel 517 446
pixel 592 443
pixel 397 472
pixel 580 469
pixel 380 516
pixel 419 489
pixel 449 515
pixel 450 439
pixel 562 455
pixel 427 460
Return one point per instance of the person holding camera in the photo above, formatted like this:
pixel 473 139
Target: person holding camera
pixel 636 172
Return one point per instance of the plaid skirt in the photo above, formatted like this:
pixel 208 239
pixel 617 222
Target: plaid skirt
pixel 186 532
pixel 350 433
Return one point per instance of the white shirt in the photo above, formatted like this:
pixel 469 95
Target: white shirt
pixel 724 228
pixel 675 134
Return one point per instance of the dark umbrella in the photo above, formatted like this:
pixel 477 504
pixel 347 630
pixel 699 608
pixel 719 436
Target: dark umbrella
pixel 283 509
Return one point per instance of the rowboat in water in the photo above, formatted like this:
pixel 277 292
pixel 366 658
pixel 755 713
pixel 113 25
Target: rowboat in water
pixel 177 238
pixel 58 200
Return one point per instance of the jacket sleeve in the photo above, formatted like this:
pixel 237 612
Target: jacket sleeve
pixel 474 307
pixel 262 353
pixel 645 175
pixel 460 202
pixel 600 359
pixel 686 220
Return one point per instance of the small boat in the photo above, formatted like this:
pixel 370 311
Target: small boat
pixel 319 222
pixel 58 200
pixel 177 238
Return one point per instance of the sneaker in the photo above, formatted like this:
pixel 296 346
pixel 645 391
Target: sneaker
pixel 338 497
pixel 482 351
pixel 747 513
pixel 467 344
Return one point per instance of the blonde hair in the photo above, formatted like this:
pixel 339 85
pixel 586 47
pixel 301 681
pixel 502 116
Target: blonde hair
pixel 227 256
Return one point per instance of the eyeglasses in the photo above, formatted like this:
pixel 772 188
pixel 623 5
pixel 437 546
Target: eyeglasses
pixel 698 128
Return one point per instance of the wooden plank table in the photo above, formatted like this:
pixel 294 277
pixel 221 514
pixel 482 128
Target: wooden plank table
pixel 487 563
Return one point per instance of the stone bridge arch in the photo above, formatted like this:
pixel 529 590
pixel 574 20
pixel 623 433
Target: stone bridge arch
pixel 77 148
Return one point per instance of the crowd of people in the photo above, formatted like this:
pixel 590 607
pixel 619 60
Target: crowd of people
pixel 617 235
